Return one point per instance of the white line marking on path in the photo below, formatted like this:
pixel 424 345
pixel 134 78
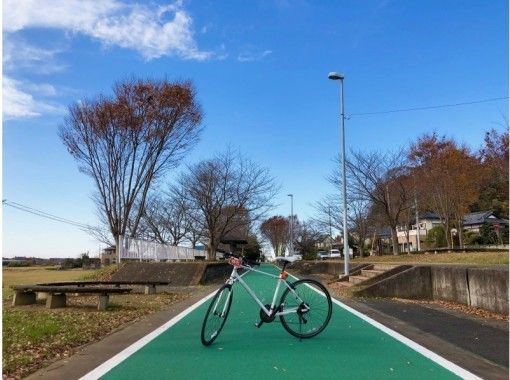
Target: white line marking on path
pixel 124 354
pixel 452 367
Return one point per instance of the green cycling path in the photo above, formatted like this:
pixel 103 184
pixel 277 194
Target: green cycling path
pixel 348 348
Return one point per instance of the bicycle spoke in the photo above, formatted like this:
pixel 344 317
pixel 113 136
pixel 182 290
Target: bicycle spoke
pixel 216 315
pixel 313 309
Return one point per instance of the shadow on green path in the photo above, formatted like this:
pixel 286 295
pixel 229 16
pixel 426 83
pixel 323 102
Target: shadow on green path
pixel 348 348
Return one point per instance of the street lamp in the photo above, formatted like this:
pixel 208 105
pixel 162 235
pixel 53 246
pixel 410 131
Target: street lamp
pixel 453 233
pixel 337 76
pixel 291 249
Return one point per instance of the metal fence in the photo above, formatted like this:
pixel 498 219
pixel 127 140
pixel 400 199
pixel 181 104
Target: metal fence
pixel 144 250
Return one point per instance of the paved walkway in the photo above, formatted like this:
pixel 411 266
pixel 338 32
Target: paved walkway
pixel 352 346
pixel 484 338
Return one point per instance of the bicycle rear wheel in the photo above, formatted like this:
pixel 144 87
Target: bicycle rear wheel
pixel 216 315
pixel 312 304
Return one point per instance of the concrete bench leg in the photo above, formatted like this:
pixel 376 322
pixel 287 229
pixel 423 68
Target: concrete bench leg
pixel 103 302
pixel 150 289
pixel 42 295
pixel 23 298
pixel 56 300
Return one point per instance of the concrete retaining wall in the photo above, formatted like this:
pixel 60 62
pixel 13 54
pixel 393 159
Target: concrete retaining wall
pixel 389 273
pixel 450 283
pixel 176 274
pixel 486 288
pixel 335 268
pixel 412 283
pixel 216 273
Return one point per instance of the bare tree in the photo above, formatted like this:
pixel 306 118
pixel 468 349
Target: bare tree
pixel 127 141
pixel 167 217
pixel 329 216
pixel 381 179
pixel 227 192
pixel 276 230
pixel 196 231
pixel 308 235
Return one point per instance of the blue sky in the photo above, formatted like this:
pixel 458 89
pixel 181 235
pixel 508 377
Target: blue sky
pixel 260 69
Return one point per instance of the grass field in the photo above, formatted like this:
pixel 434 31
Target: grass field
pixel 34 275
pixel 480 258
pixel 34 336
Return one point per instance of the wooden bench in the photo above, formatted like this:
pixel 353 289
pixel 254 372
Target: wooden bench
pixel 150 286
pixel 56 295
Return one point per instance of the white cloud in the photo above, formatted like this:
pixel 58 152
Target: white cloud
pixel 18 54
pixel 154 31
pixel 250 56
pixel 18 103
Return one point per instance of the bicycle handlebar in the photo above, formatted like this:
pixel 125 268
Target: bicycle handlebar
pixel 244 260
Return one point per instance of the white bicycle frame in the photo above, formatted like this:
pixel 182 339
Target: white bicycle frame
pixel 269 312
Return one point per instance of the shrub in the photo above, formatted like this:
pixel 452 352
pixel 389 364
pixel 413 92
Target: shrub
pixel 16 264
pixel 435 237
pixel 472 238
pixel 488 234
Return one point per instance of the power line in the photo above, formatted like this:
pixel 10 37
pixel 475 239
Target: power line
pixel 49 216
pixel 429 107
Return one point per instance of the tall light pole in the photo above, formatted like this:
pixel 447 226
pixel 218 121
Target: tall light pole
pixel 340 77
pixel 291 249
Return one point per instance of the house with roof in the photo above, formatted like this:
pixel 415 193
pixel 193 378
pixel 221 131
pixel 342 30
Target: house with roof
pixel 474 220
pixel 428 220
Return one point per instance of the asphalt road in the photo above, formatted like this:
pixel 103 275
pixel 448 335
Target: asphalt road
pixel 482 337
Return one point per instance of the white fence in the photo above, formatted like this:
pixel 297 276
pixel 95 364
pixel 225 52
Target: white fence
pixel 134 249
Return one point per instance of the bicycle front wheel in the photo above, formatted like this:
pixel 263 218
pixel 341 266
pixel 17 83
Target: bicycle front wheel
pixel 216 315
pixel 306 307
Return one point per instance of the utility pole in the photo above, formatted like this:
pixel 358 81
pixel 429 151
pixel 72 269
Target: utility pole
pixel 341 77
pixel 291 248
pixel 418 247
pixel 330 229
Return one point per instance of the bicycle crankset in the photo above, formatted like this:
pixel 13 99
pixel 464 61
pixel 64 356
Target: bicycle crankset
pixel 264 318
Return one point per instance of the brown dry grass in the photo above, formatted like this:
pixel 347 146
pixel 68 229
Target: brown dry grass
pixel 34 275
pixel 34 336
pixel 480 258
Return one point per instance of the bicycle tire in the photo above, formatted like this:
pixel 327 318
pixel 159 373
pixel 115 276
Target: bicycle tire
pixel 215 319
pixel 314 309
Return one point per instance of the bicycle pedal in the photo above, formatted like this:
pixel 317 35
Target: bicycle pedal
pixel 257 325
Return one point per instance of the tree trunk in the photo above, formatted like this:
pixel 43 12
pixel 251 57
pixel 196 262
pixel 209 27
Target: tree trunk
pixel 406 233
pixel 394 240
pixel 461 236
pixel 446 227
pixel 211 250
pixel 372 253
pixel 117 248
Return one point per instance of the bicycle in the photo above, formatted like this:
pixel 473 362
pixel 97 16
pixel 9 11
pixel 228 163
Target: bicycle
pixel 304 310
